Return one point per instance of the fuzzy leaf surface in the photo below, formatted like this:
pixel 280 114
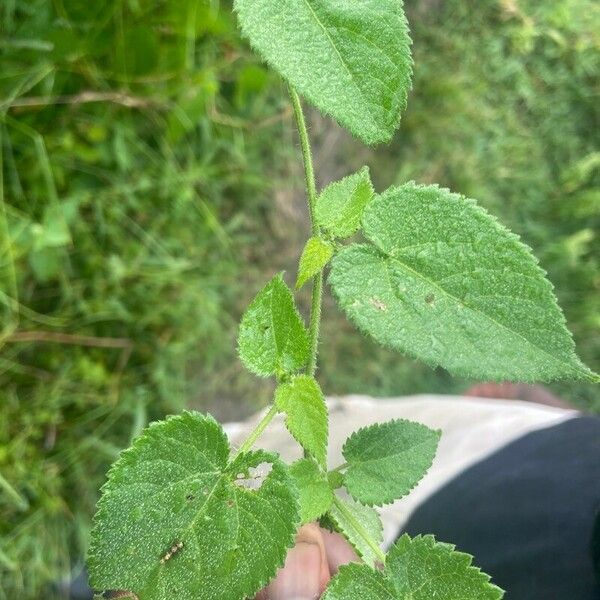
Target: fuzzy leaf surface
pixel 416 569
pixel 350 58
pixel 316 254
pixel 447 284
pixel 316 496
pixel 175 489
pixel 386 460
pixel 306 414
pixel 340 205
pixel 272 337
pixel 351 518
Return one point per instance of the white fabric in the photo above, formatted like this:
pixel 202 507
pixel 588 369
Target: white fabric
pixel 472 429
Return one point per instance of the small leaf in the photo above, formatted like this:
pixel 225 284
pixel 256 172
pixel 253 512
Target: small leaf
pixel 340 205
pixel 449 285
pixel 352 519
pixel 350 58
pixel 316 254
pixel 316 497
pixel 306 414
pixel 416 569
pixel 175 520
pixel 385 461
pixel 272 337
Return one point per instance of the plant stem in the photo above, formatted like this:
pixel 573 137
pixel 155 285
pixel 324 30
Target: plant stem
pixel 311 192
pixel 251 439
pixel 309 172
pixel 360 530
pixel 339 468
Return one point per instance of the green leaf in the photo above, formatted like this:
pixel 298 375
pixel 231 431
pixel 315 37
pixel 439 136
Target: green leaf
pixel 350 58
pixel 306 414
pixel 416 569
pixel 385 461
pixel 316 496
pixel 176 520
pixel 340 205
pixel 272 338
pixel 356 521
pixel 447 284
pixel 316 254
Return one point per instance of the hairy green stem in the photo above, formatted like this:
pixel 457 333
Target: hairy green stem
pixel 251 439
pixel 360 530
pixel 339 468
pixel 311 192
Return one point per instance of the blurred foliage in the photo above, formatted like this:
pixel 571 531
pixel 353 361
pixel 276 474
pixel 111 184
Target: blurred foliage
pixel 134 143
pixel 144 198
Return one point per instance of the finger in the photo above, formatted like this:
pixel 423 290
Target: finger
pixel 305 574
pixel 339 551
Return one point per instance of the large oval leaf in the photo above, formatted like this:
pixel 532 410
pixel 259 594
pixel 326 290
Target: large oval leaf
pixel 447 284
pixel 177 521
pixel 350 58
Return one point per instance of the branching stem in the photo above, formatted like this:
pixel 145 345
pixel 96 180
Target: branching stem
pixel 379 553
pixel 311 192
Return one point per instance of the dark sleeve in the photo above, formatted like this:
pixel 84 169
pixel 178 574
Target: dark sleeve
pixel 529 513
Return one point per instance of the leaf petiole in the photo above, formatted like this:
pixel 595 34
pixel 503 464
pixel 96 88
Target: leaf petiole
pixel 258 430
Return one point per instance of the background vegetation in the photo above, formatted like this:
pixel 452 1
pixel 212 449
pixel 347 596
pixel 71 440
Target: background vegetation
pixel 149 185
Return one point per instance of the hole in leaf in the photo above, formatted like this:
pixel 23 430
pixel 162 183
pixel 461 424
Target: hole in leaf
pixel 254 477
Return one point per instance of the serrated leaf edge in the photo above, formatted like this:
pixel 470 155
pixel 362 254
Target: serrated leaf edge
pixel 316 458
pixel 582 371
pixel 394 124
pixel 249 366
pixel 432 544
pixel 390 423
pixel 227 469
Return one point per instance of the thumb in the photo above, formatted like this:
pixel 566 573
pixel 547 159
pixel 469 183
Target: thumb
pixel 305 574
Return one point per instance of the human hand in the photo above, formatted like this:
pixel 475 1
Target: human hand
pixel 309 565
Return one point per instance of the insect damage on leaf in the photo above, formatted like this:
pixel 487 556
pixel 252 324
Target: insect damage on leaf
pixel 272 337
pixel 460 290
pixel 173 520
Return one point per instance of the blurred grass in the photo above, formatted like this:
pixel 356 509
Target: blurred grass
pixel 150 184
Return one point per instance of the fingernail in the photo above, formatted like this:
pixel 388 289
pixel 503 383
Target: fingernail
pixel 300 578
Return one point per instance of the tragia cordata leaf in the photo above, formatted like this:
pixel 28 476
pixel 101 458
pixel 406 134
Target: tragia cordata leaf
pixel 355 521
pixel 350 58
pixel 446 283
pixel 340 205
pixel 272 338
pixel 415 569
pixel 316 254
pixel 177 521
pixel 315 493
pixel 301 399
pixel 386 460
